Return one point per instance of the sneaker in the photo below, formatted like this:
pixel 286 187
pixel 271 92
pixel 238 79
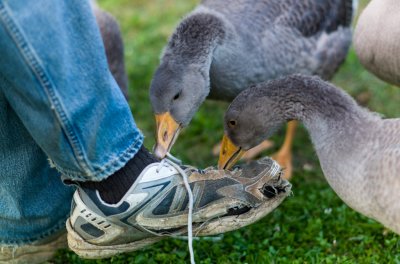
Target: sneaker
pixel 33 253
pixel 156 206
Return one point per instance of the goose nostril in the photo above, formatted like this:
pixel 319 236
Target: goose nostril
pixel 165 136
pixel 224 151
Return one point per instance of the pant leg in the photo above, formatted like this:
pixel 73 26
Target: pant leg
pixel 62 90
pixel 34 203
pixel 58 100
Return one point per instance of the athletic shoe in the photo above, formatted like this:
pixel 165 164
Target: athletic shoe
pixel 156 206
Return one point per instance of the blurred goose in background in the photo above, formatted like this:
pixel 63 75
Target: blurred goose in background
pixel 359 152
pixel 225 45
pixel 377 39
pixel 114 46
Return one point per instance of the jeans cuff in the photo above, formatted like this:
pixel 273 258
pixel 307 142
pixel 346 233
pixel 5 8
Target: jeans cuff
pixel 99 173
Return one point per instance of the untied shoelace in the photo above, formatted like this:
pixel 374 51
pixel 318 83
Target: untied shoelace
pixel 174 162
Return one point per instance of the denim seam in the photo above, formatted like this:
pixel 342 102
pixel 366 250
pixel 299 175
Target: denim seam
pixel 107 169
pixel 56 228
pixel 32 60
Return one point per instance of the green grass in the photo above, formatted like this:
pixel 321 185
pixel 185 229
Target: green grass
pixel 313 225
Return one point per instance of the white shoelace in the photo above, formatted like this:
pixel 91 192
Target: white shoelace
pixel 174 162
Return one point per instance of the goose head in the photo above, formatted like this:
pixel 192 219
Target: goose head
pixel 176 94
pixel 251 118
pixel 182 81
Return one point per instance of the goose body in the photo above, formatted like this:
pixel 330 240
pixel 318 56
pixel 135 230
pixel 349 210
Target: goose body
pixel 377 39
pixel 359 152
pixel 269 39
pixel 225 45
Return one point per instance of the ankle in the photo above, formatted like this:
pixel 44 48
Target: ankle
pixel 115 186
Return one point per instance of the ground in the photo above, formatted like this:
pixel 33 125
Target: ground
pixel 311 226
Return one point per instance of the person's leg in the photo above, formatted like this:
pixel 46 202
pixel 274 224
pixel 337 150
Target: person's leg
pixel 29 219
pixel 34 201
pixel 63 92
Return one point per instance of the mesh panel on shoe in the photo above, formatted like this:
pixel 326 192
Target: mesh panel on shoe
pixel 253 169
pixel 165 205
pixel 210 193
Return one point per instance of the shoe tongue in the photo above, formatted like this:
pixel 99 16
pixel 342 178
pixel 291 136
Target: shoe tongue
pixel 155 171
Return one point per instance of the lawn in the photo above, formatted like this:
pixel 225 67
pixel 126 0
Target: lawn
pixel 311 226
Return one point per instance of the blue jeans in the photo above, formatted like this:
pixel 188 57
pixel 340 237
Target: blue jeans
pixel 58 103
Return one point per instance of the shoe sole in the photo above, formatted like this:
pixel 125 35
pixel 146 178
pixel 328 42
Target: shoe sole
pixel 234 222
pixel 213 227
pixel 90 251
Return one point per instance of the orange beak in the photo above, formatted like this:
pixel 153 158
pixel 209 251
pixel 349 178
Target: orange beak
pixel 229 154
pixel 167 132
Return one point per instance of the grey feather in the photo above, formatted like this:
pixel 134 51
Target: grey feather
pixel 225 45
pixel 359 152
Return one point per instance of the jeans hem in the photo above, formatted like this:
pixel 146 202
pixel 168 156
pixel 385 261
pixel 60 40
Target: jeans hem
pixel 20 242
pixel 101 173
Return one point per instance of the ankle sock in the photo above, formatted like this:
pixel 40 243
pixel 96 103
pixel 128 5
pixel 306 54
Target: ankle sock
pixel 113 188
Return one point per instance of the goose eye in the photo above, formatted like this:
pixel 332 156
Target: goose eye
pixel 177 96
pixel 232 123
